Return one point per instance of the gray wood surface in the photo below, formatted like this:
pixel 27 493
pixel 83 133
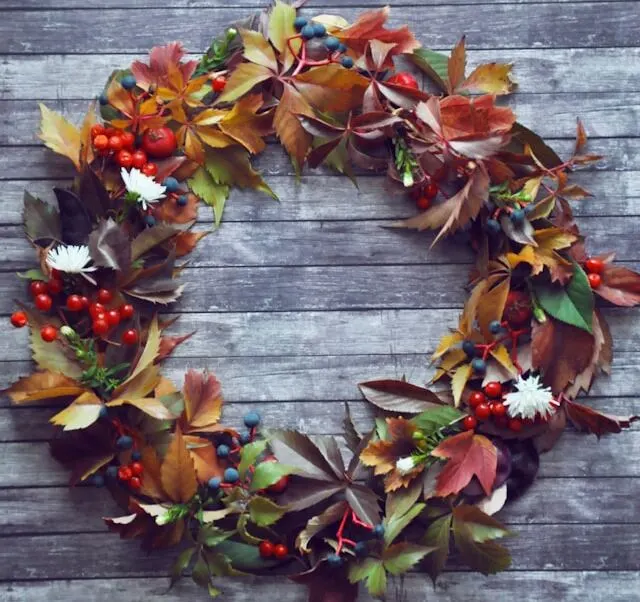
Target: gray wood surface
pixel 295 302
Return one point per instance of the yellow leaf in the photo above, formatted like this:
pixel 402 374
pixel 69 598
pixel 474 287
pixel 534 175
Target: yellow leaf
pixel 83 412
pixel 526 255
pixel 281 29
pixel 247 127
pixel 532 186
pixel 554 238
pixel 258 50
pixel 149 405
pixel 59 135
pixel 150 353
pixel 501 355
pixel 493 301
pixel 459 381
pixel 332 88
pixel 86 148
pixel 205 458
pixel 492 78
pixel 332 22
pixel 43 385
pixel 140 386
pixel 53 356
pixel 243 78
pixel 468 317
pixel 446 342
pixel 152 481
pixel 178 474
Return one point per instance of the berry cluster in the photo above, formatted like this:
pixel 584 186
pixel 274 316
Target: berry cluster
pixel 425 194
pixel 487 405
pixel 271 550
pixel 310 30
pixel 594 268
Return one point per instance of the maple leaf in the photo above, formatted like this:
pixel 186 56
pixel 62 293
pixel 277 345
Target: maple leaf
pixel 133 115
pixel 162 60
pixel 202 402
pixel 178 474
pixel 470 455
pixel 178 90
pixel 43 385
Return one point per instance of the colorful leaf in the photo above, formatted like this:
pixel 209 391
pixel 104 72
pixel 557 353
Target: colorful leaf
pixel 178 474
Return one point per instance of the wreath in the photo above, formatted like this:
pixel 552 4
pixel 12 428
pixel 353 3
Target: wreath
pixel 440 461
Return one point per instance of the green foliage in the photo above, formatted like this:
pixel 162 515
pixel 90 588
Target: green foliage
pixel 434 64
pixel 269 473
pixel 405 162
pixel 218 53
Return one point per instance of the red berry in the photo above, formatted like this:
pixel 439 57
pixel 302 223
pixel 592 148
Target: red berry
pixel 124 473
pixel 135 483
pixel 55 286
pixel 100 327
pixel 130 337
pixel 483 411
pixel 128 140
pixel 19 319
pixel 85 302
pixel 124 159
pixel 139 159
pixel 593 265
pixel 280 551
pixel 498 408
pixel 105 296
pixel 111 132
pixel 423 203
pixel 97 130
pixel 115 143
pixel 101 142
pixel 43 302
pixel 74 303
pixel 404 79
pixel 137 469
pixel 469 423
pixel 280 486
pixel 517 309
pixel 431 190
pixel 113 317
pixel 150 169
pixel 95 309
pixel 266 549
pixel 501 421
pixel 595 280
pixel 493 389
pixel 515 425
pixel 159 143
pixel 126 311
pixel 48 333
pixel 219 83
pixel 476 398
pixel 37 287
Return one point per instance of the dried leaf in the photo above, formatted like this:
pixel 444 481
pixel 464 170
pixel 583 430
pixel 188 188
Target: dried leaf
pixel 456 66
pixel 318 523
pixel 41 221
pixel 491 78
pixel 83 412
pixel 178 474
pixel 59 135
pixel 43 385
pixel 202 402
pixel 399 396
pixel 110 246
pixel 588 419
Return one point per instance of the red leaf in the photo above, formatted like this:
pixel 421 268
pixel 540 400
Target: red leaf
pixel 469 455
pixel 168 344
pixel 587 419
pixel 161 59
pixel 399 396
pixel 620 286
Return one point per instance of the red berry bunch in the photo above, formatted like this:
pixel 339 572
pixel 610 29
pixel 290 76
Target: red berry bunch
pixel 594 268
pixel 121 146
pixel 517 309
pixel 270 550
pixel 425 194
pixel 131 474
pixel 487 405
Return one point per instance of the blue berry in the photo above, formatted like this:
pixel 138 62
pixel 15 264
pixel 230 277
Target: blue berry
pixel 334 561
pixel 136 455
pixel 299 23
pixel 361 549
pixel 182 200
pixel 124 442
pixel 214 483
pixel 222 451
pixel 378 531
pixel 150 221
pixel 245 438
pixel 103 100
pixel 171 184
pixel 469 348
pixel 251 420
pixel 308 32
pixel 529 208
pixel 347 62
pixel 495 327
pixel 97 480
pixel 231 475
pixel 112 472
pixel 319 30
pixel 342 48
pixel 493 226
pixel 332 43
pixel 128 82
pixel 104 412
pixel 479 365
pixel 517 217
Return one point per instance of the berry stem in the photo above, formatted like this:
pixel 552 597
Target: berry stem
pixel 340 532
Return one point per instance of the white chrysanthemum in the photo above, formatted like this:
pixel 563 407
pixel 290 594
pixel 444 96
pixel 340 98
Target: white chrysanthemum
pixel 146 190
pixel 530 399
pixel 72 259
pixel 405 465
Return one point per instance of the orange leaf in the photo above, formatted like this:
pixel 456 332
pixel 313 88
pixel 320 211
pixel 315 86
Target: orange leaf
pixel 43 385
pixel 244 125
pixel 202 401
pixel 185 242
pixel 178 474
pixel 456 65
pixel 205 458
pixel 332 87
pixel 288 127
pixel 152 481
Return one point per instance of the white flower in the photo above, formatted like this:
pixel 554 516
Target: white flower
pixel 72 259
pixel 530 398
pixel 146 189
pixel 405 465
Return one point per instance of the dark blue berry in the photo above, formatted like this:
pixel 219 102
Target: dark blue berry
pixel 182 200
pixel 136 455
pixel 517 217
pixel 529 208
pixel 112 472
pixel 97 480
pixel 308 32
pixel 150 221
pixel 103 100
pixel 378 531
pixel 347 62
pixel 299 23
pixel 469 348
pixel 319 30
pixel 334 561
pixel 342 48
pixel 495 327
pixel 128 82
pixel 124 442
pixel 252 419
pixel 361 549
pixel 493 226
pixel 332 43
pixel 214 483
pixel 479 365
pixel 245 438
pixel 231 475
pixel 104 412
pixel 171 184
pixel 222 451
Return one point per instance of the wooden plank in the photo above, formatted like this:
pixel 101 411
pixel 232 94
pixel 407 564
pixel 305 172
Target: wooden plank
pixel 540 586
pixel 589 24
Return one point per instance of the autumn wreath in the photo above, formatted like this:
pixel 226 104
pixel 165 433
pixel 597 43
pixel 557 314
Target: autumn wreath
pixel 176 133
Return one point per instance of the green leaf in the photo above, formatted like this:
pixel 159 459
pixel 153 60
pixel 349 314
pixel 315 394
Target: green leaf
pixel 52 357
pixel 371 571
pixel 249 454
pixel 181 563
pixel 269 473
pixel 400 501
pixel 243 556
pixel 436 418
pixel 481 526
pixel 211 535
pixel 394 525
pixel 265 512
pixel 213 194
pixel 200 572
pixel 437 536
pixel 572 304
pixel 316 524
pixel 243 531
pixel 281 24
pixel 401 557
pixel 34 274
pixel 434 64
pixel 231 166
pixel 381 428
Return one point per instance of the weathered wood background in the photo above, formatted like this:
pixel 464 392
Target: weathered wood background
pixel 296 302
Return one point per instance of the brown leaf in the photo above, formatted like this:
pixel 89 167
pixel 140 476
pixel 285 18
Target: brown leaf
pixel 399 396
pixel 205 458
pixel 245 125
pixel 202 402
pixel 152 481
pixel 456 65
pixel 587 419
pixel 332 87
pixel 178 474
pixel 581 137
pixel 168 344
pixel 287 123
pixel 43 385
pixel 620 286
